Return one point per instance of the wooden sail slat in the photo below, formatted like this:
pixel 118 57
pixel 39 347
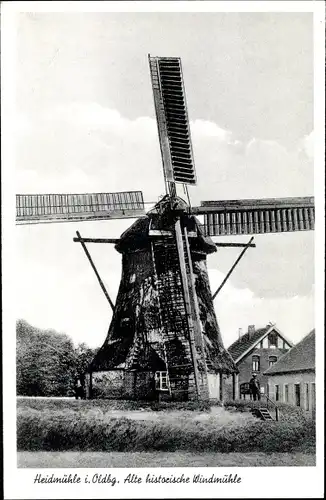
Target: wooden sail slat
pixel 84 206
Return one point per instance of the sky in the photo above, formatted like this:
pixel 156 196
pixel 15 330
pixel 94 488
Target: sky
pixel 85 122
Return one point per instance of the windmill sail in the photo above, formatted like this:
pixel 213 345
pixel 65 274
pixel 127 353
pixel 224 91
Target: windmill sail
pixel 76 207
pixel 257 216
pixel 172 119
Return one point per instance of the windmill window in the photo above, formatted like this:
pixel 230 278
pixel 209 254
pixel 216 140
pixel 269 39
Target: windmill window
pixel 272 360
pixel 255 364
pixel 161 381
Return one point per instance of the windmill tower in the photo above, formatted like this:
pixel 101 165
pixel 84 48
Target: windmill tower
pixel 164 336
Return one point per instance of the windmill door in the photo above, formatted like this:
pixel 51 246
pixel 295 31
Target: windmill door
pixel 213 386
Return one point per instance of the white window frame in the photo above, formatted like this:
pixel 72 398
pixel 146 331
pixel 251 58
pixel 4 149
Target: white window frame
pixel 256 360
pixel 269 360
pixel 161 381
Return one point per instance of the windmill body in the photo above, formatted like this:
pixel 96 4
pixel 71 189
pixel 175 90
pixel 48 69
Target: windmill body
pixel 151 348
pixel 164 339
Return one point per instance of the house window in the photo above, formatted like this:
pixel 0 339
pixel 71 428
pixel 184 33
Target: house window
pixel 268 390
pixel 297 394
pixel 286 393
pixel 262 389
pixel 277 393
pixel 272 360
pixel 255 364
pixel 272 340
pixel 161 381
pixel 307 406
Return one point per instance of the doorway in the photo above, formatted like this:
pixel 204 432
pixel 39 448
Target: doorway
pixel 297 394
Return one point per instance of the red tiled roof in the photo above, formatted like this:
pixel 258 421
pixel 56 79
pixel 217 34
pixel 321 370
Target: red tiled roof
pixel 240 346
pixel 300 358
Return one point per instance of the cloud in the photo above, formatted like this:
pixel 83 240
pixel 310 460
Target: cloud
pixel 239 307
pixel 308 145
pixel 205 129
pixel 84 147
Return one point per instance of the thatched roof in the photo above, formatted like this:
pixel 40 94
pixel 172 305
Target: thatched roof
pixel 163 217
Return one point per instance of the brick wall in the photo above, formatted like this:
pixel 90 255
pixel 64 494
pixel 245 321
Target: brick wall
pixel 245 365
pixel 246 371
pixel 305 381
pixel 108 384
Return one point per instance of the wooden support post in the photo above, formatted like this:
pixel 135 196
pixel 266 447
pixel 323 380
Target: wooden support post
pixel 232 269
pixel 235 382
pixel 221 387
pixel 195 309
pixel 95 271
pixel 97 240
pixel 90 386
pixel 233 245
pixel 185 287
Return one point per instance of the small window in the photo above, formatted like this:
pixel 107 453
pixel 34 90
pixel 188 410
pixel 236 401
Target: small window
pixel 255 364
pixel 286 393
pixel 307 394
pixel 272 340
pixel 262 390
pixel 277 393
pixel 161 381
pixel 272 360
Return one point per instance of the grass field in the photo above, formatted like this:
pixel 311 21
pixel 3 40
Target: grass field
pixel 69 433
pixel 161 459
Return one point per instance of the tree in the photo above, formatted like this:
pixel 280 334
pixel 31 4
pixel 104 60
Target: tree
pixel 47 361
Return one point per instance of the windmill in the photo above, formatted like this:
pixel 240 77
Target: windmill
pixel 164 337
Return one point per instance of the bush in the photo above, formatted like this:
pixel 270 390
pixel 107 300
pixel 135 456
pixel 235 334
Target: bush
pixel 93 430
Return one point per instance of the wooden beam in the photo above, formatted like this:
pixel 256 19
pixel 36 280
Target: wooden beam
pixel 195 310
pixel 235 245
pixel 185 286
pixel 232 269
pixel 97 240
pixel 253 204
pixel 95 271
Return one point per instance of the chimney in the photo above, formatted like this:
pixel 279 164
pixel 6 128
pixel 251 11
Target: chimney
pixel 240 332
pixel 251 330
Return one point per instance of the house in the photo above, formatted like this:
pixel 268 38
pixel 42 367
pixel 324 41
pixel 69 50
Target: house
pixel 254 352
pixel 292 379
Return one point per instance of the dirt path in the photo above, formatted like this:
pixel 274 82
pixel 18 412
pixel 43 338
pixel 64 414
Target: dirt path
pixel 161 459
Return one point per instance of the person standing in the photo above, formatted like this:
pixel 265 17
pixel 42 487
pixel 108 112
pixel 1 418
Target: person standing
pixel 254 387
